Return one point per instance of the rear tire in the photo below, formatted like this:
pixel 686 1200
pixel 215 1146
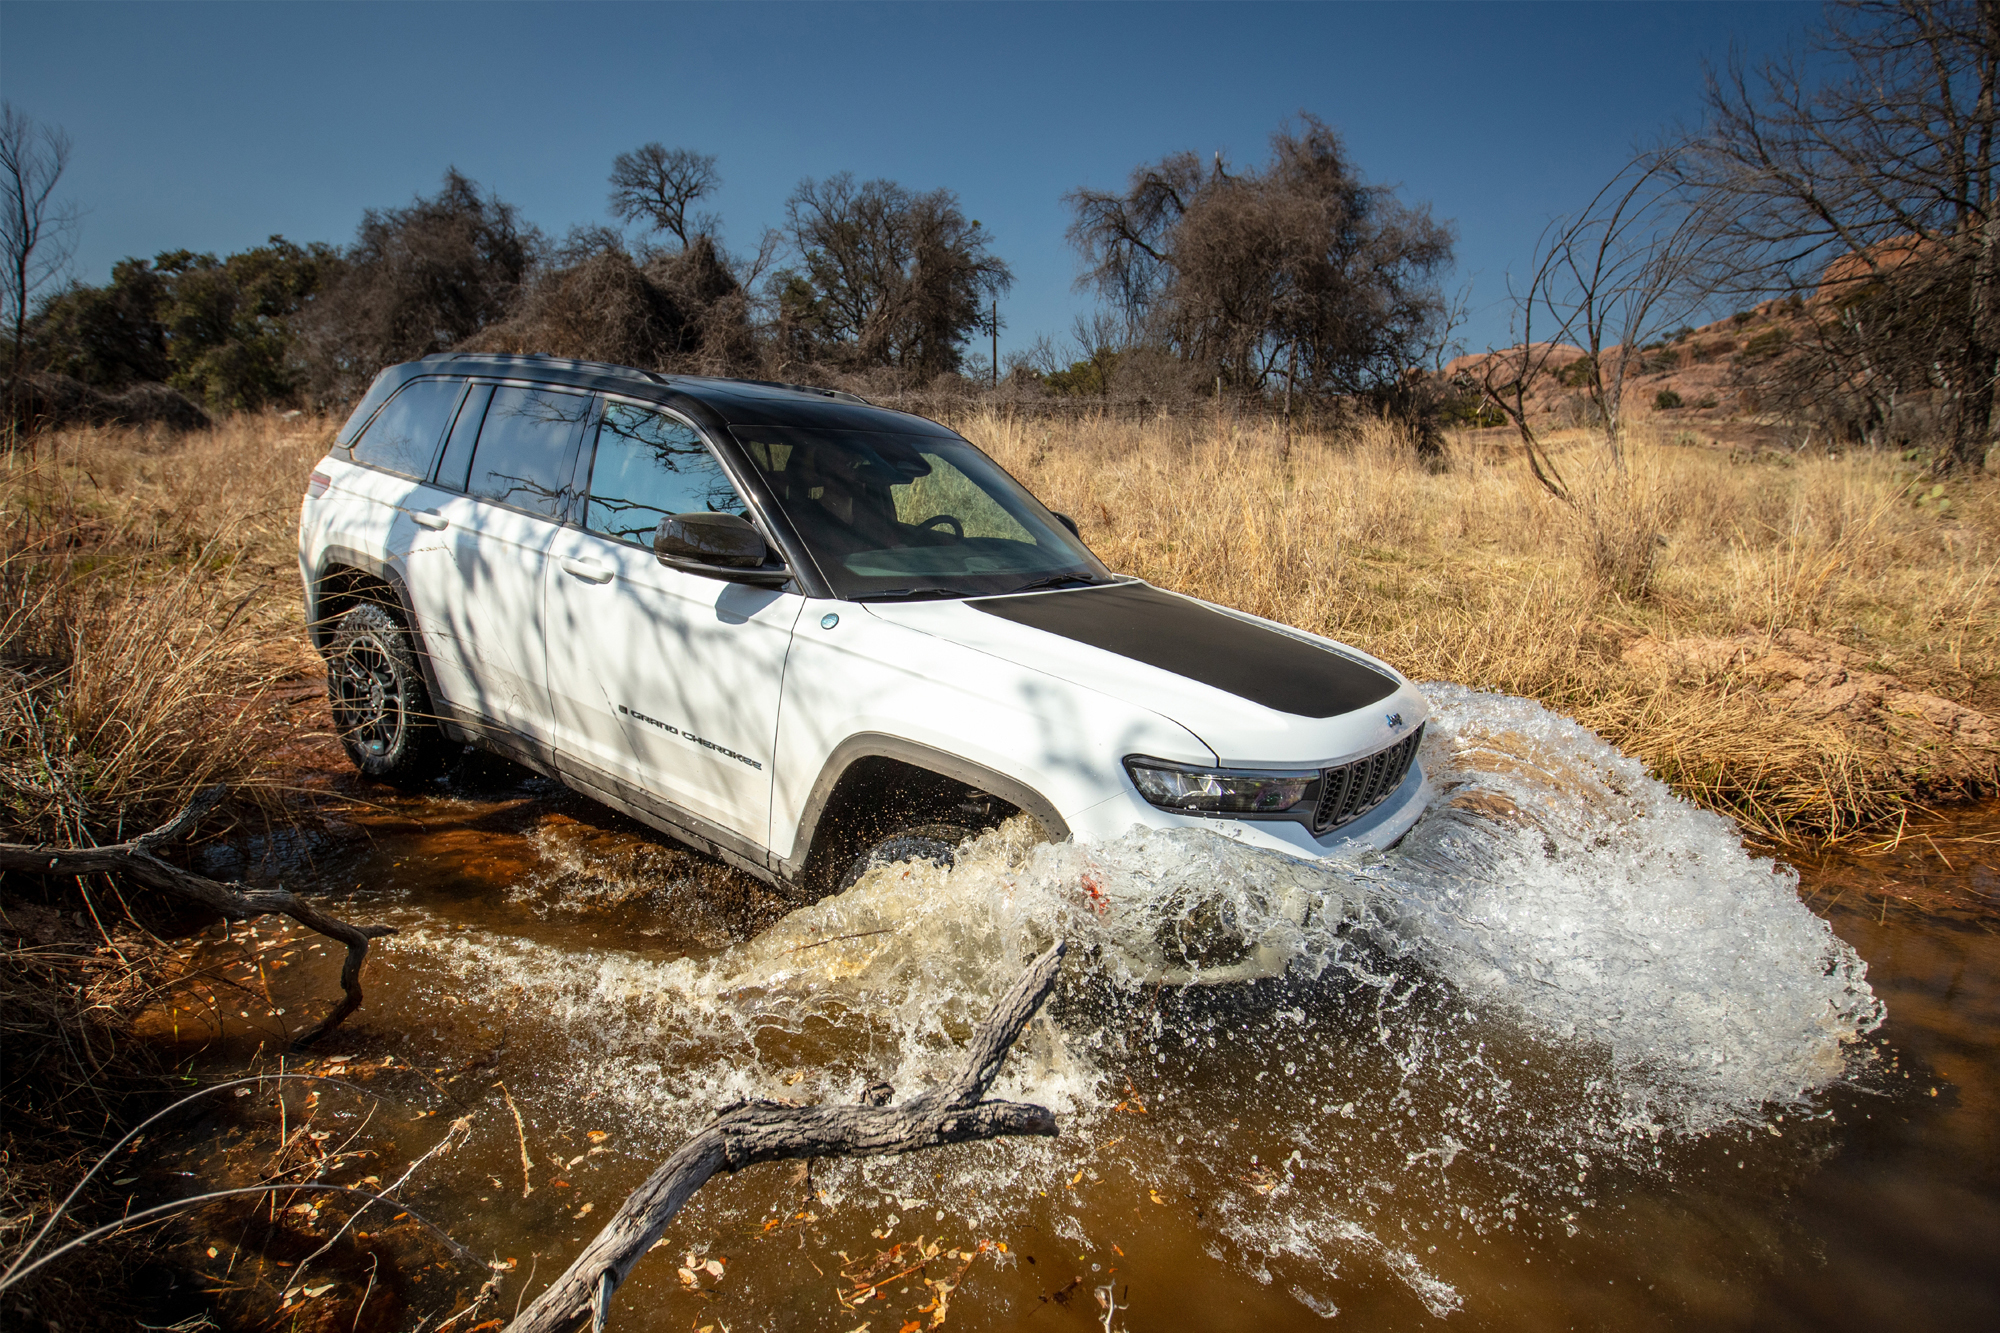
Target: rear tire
pixel 380 706
pixel 935 843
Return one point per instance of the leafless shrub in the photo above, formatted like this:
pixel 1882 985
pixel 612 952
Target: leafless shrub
pixel 886 277
pixel 1296 275
pixel 1859 174
pixel 418 279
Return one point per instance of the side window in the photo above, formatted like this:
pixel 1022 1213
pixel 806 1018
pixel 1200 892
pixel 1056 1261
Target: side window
pixel 403 437
pixel 457 461
pixel 648 466
pixel 526 448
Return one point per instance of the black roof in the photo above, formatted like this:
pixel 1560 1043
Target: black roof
pixel 723 402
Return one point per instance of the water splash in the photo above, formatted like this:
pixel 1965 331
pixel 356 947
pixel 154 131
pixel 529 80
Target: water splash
pixel 1560 973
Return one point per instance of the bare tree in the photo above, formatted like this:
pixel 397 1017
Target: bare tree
pixel 1620 274
pixel 1861 173
pixel 1297 274
pixel 657 185
pixel 37 234
pixel 417 280
pixel 888 277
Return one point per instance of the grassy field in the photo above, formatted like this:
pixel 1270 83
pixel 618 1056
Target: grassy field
pixel 1793 639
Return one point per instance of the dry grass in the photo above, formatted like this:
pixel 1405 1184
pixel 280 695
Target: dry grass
pixel 1476 575
pixel 147 600
pixel 1472 574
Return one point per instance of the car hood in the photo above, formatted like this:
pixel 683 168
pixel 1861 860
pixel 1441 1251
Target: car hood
pixel 1254 692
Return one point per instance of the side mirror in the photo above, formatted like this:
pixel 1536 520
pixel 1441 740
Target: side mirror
pixel 720 546
pixel 1069 523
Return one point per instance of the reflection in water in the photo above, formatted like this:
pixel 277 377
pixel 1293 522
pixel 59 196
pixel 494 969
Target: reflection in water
pixel 1568 1051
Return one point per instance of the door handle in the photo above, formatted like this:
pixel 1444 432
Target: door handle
pixel 429 518
pixel 586 569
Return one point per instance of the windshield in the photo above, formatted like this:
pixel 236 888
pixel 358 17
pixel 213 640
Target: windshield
pixel 889 514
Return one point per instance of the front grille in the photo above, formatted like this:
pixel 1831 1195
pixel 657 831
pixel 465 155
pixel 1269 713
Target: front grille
pixel 1349 791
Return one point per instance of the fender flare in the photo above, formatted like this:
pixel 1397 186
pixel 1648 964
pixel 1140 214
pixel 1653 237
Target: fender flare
pixel 321 630
pixel 881 745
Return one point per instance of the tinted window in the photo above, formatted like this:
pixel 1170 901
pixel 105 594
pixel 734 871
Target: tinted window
pixel 403 437
pixel 648 466
pixel 891 512
pixel 457 460
pixel 526 448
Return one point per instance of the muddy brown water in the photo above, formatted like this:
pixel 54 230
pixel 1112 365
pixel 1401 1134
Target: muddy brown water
pixel 1532 1124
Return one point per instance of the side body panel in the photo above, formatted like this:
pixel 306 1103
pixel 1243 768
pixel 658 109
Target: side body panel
pixel 668 680
pixel 869 674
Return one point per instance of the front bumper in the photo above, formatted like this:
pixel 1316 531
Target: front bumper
pixel 1377 831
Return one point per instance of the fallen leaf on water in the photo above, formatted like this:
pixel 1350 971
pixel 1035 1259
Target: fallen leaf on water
pixel 714 1267
pixel 321 1290
pixel 597 1136
pixel 1156 1197
pixel 688 1279
pixel 583 1211
pixel 911 1327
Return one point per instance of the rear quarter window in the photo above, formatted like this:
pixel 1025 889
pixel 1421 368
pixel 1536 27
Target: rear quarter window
pixel 403 438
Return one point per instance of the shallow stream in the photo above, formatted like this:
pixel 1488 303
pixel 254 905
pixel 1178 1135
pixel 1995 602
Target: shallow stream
pixel 1568 1056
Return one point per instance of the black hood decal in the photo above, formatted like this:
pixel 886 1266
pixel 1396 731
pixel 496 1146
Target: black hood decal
pixel 1189 639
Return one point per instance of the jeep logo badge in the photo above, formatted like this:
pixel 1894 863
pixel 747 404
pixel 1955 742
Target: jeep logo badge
pixel 1395 719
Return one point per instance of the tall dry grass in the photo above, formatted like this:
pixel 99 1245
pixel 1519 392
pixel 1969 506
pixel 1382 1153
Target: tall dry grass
pixel 171 563
pixel 147 602
pixel 1476 575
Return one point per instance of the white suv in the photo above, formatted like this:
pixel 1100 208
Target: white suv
pixel 803 633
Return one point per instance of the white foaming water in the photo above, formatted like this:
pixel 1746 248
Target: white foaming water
pixel 1557 879
pixel 1555 899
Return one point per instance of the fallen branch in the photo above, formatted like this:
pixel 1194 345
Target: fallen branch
pixel 137 860
pixel 753 1132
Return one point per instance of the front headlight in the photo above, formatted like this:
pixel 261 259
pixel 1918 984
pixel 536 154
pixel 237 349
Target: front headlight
pixel 1219 791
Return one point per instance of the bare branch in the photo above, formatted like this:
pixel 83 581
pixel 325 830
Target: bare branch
pixel 137 860
pixel 755 1132
pixel 658 185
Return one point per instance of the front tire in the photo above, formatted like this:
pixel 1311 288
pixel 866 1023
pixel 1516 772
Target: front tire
pixel 380 706
pixel 935 843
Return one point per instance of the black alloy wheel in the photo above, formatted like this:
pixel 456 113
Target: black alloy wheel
pixel 380 706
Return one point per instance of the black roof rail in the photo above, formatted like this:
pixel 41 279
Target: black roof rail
pixel 612 368
pixel 840 395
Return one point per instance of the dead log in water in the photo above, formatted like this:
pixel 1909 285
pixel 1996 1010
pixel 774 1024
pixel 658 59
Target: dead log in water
pixel 138 861
pixel 753 1132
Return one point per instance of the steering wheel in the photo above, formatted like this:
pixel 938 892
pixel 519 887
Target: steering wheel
pixel 957 528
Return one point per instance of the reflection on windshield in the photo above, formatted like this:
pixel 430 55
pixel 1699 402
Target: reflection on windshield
pixel 897 514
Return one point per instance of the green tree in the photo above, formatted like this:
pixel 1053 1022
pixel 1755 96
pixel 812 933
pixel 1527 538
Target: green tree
pixel 219 330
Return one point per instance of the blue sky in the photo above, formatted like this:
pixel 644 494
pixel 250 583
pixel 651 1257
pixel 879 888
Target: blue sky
pixel 212 126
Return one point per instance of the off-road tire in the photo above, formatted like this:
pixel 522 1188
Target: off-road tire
pixel 936 843
pixel 380 706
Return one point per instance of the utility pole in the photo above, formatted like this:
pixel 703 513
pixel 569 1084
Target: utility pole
pixel 996 342
pixel 1291 373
